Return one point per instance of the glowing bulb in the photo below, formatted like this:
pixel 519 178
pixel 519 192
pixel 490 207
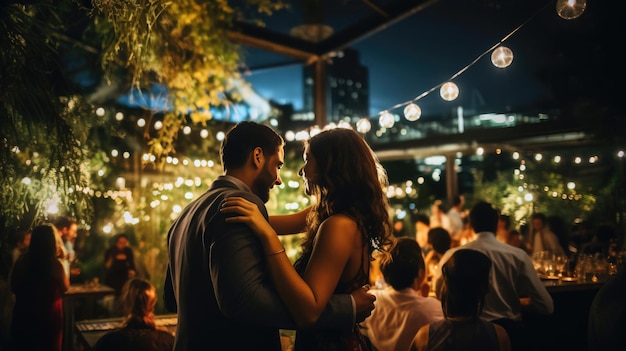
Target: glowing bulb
pixel 449 91
pixel 502 57
pixel 412 112
pixel 363 125
pixel 570 9
pixel 386 120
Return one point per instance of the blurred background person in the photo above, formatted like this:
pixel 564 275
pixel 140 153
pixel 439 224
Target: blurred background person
pixel 15 245
pixel 456 217
pixel 39 281
pixel 139 331
pixel 542 238
pixel 67 228
pixel 119 264
pixel 438 216
pixel 504 228
pixel 400 309
pixel 465 285
pixel 422 226
pixel 607 315
pixel 439 242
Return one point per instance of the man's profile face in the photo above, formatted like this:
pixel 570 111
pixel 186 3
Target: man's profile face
pixel 269 175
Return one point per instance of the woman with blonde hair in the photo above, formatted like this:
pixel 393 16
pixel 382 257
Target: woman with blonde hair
pixel 139 331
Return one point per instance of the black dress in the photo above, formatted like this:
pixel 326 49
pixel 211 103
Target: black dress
pixel 333 339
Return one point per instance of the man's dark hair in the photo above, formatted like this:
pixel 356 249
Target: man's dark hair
pixel 404 263
pixel 422 218
pixel 483 217
pixel 465 283
pixel 63 222
pixel 440 239
pixel 243 138
pixel 541 216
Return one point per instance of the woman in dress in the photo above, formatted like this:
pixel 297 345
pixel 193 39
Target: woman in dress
pixel 347 223
pixel 465 284
pixel 39 282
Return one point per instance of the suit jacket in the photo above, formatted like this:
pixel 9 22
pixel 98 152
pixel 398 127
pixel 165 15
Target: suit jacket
pixel 218 282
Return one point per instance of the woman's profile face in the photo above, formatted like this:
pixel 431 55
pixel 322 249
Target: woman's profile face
pixel 308 171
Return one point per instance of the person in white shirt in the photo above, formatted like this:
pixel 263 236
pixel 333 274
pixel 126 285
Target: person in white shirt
pixel 400 308
pixel 514 283
pixel 455 218
pixel 543 239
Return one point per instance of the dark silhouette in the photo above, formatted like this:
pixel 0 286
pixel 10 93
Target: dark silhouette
pixel 39 282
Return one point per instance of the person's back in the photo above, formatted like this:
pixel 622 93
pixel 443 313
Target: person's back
pixel 513 275
pixel 400 309
pixel 607 315
pixel 465 284
pixel 193 239
pixel 139 331
pixel 38 282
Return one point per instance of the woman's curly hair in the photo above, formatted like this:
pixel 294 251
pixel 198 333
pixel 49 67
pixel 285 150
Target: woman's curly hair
pixel 351 182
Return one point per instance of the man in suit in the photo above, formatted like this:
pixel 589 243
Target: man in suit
pixel 217 280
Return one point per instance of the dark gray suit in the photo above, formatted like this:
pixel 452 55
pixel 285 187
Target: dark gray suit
pixel 217 280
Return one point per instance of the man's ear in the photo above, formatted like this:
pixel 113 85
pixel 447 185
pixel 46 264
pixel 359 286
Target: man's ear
pixel 257 156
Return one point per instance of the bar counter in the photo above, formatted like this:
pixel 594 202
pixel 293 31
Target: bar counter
pixel 566 328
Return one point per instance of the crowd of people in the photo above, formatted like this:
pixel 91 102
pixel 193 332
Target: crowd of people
pixel 462 282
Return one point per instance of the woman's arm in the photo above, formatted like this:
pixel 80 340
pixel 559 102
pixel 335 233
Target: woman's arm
pixel 293 223
pixel 420 342
pixel 503 338
pixel 60 277
pixel 305 298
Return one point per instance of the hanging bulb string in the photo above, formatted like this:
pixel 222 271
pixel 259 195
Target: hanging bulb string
pixel 462 70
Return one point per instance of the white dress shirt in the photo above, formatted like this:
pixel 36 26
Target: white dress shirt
pixel 512 277
pixel 397 316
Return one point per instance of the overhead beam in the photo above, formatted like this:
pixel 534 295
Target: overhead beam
pixel 309 52
pixel 274 42
pixel 371 25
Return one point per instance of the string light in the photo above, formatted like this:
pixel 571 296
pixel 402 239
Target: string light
pixel 412 112
pixel 449 91
pixel 570 9
pixel 502 57
pixel 505 56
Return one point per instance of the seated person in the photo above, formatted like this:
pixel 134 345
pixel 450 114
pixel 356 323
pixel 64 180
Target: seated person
pixel 400 310
pixel 465 285
pixel 440 241
pixel 139 331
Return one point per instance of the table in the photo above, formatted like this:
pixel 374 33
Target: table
pixel 566 328
pixel 90 331
pixel 72 295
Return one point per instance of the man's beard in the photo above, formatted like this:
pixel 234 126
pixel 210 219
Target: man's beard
pixel 261 190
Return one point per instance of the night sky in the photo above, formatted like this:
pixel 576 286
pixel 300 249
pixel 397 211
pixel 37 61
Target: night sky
pixel 425 49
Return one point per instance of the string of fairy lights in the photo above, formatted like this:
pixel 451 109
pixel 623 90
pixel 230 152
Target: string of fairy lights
pixel 501 57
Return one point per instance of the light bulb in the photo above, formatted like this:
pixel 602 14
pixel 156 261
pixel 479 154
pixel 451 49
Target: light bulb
pixel 570 9
pixel 412 112
pixel 502 57
pixel 363 125
pixel 386 120
pixel 449 91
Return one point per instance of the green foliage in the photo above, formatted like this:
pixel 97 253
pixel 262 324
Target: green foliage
pixel 519 195
pixel 182 45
